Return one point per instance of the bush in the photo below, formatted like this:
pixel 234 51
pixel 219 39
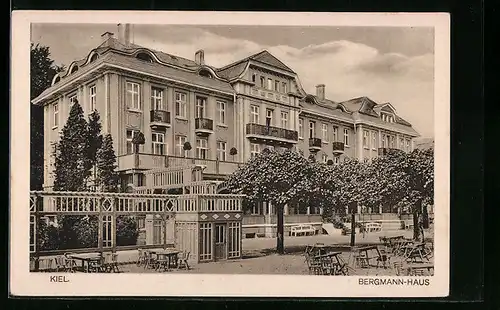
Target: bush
pixel 126 231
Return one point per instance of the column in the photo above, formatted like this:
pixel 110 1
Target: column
pixel 146 92
pixel 379 138
pixel 359 142
pixel 148 225
pixel 398 146
pixel 308 210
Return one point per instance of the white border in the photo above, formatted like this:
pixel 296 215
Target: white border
pixel 23 283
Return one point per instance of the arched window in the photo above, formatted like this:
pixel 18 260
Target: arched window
pixel 205 73
pixel 94 57
pixel 56 80
pixel 144 57
pixel 74 69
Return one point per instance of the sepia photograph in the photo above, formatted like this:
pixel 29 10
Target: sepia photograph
pixel 205 150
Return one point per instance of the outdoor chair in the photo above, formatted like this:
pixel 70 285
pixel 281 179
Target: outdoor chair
pixel 96 265
pixel 314 265
pixel 383 259
pixel 114 263
pixel 60 263
pixel 399 268
pixel 69 262
pixel 140 257
pixel 327 266
pixel 417 272
pixel 182 260
pixel 361 260
pixel 46 264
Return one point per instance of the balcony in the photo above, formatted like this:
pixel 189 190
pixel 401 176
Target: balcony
pixel 314 144
pixel 203 126
pixel 338 148
pixel 159 119
pixel 141 161
pixel 214 167
pixel 271 135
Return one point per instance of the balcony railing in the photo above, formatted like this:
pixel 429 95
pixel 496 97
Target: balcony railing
pixel 141 161
pixel 212 166
pixel 159 118
pixel 338 147
pixel 204 125
pixel 272 132
pixel 314 143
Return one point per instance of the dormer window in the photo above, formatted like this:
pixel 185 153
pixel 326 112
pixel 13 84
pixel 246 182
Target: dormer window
pixel 56 80
pixel 144 57
pixel 74 69
pixel 389 118
pixel 94 57
pixel 205 73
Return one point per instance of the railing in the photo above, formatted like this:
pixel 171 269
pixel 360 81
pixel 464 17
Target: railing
pixel 159 116
pixel 141 161
pixel 315 142
pixel 338 147
pixel 204 124
pixel 211 166
pixel 270 131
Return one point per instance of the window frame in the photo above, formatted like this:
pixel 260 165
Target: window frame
pixel 276 86
pixel 301 128
pixel 335 134
pixel 284 121
pixel 366 139
pixel 253 152
pixel 155 98
pixel 324 132
pixel 180 104
pixel 202 149
pixel 269 84
pixel 129 141
pixel 222 152
pixel 221 112
pixel 55 114
pixel 136 105
pixel 200 106
pixel 254 114
pixel 346 137
pixel 312 129
pixel 374 140
pixel 162 144
pixel 284 87
pixel 92 98
pixel 179 145
pixel 262 80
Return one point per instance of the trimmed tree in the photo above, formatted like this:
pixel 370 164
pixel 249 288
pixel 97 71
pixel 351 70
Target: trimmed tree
pixel 186 147
pixel 107 177
pixel 71 159
pixel 280 178
pixel 137 140
pixel 94 142
pixel 233 151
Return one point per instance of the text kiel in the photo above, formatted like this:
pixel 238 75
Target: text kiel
pixel 58 279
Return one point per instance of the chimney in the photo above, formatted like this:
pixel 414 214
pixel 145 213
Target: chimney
pixel 124 34
pixel 107 35
pixel 320 91
pixel 199 57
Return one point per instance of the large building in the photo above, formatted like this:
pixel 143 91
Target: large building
pixel 249 105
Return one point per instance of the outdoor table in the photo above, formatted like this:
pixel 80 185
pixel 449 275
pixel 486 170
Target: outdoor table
pixel 415 251
pixel 413 267
pixel 166 255
pixel 363 253
pixel 86 259
pixel 320 249
pixel 338 264
pixel 402 246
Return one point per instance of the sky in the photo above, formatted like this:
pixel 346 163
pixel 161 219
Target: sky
pixel 386 64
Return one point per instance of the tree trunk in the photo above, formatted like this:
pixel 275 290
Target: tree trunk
pixel 280 246
pixel 353 227
pixel 416 225
pixel 425 217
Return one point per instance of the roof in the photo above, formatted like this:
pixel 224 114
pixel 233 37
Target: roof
pixel 361 104
pixel 236 68
pixel 393 126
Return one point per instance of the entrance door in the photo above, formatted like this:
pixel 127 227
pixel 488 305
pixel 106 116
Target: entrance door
pixel 220 241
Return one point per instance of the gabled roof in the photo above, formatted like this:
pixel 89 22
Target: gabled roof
pixel 236 68
pixel 362 105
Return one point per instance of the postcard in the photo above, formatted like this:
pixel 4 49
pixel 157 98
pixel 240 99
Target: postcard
pixel 232 154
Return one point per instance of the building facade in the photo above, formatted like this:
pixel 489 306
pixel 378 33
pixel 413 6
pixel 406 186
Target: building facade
pixel 252 104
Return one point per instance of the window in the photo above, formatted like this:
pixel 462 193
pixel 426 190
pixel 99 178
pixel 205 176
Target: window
pixel 56 115
pixel 346 137
pixel 336 160
pixel 221 112
pixel 366 137
pixel 392 142
pixel 277 86
pixel 180 104
pixel 157 99
pixel 387 118
pixel 72 100
pixel 254 114
pixel 324 132
pixel 284 87
pixel 384 141
pixel 158 143
pixel 200 107
pixel 401 143
pixel 301 128
pixel 312 133
pixel 408 146
pixel 335 134
pixel 179 146
pixel 269 117
pixel 254 149
pixel 202 148
pixel 270 84
pixel 133 96
pixel 221 150
pixel 130 136
pixel 92 98
pixel 254 77
pixel 374 140
pixel 256 208
pixel 284 119
pixel 262 82
pixel 324 158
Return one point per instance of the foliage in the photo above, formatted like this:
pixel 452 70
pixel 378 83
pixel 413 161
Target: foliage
pixel 78 232
pixel 42 71
pixel 138 138
pixel 186 146
pixel 107 177
pixel 94 142
pixel 126 231
pixel 71 156
pixel 329 162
